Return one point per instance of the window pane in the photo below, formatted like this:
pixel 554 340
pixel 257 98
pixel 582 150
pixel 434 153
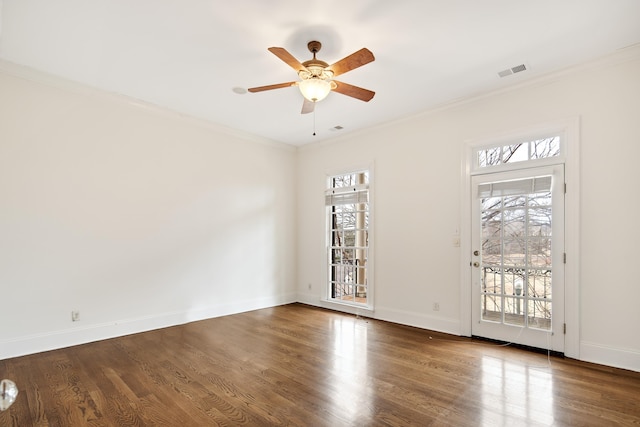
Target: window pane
pixel 514 311
pixel 337 238
pixel 491 308
pixel 539 283
pixel 349 238
pixel 548 147
pixel 513 281
pixel 540 199
pixel 491 224
pixel 490 203
pixel 492 251
pixel 515 153
pixel 539 314
pixel 514 252
pixel 539 252
pixel 482 158
pixel 337 221
pixel 515 201
pixel 540 221
pixel 514 222
pixel 489 157
pixel 492 280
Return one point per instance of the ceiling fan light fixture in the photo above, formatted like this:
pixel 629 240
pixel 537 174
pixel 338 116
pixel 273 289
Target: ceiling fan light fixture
pixel 316 76
pixel 315 89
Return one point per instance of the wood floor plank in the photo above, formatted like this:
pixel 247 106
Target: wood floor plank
pixel 304 366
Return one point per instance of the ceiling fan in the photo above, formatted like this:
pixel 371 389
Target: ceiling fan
pixel 316 76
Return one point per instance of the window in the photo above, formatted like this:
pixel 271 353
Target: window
pixel 518 152
pixel 348 224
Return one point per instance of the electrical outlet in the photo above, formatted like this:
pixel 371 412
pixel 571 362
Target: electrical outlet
pixel 436 306
pixel 75 316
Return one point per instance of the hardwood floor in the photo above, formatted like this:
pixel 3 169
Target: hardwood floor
pixel 304 366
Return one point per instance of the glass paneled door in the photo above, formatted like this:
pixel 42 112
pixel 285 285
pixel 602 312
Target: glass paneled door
pixel 518 256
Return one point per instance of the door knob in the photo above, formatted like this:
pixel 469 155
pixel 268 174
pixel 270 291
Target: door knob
pixel 476 264
pixel 476 253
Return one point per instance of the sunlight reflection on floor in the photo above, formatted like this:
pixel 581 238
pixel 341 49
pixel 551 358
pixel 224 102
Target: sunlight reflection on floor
pixel 514 392
pixel 352 396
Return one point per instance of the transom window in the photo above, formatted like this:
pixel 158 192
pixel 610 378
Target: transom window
pixel 518 152
pixel 347 203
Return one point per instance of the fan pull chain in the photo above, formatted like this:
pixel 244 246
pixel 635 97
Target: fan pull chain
pixel 314 121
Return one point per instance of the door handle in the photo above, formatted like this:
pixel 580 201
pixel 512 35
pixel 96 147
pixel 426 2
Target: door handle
pixel 476 253
pixel 476 264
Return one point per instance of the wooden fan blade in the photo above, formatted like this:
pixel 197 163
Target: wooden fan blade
pixel 269 87
pixel 354 91
pixel 351 62
pixel 307 106
pixel 282 53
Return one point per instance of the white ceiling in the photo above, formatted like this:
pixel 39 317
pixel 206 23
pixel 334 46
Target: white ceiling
pixel 188 55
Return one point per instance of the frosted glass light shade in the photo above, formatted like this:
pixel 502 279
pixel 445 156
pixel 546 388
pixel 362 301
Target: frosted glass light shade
pixel 315 89
pixel 8 394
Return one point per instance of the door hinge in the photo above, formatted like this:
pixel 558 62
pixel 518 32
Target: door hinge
pixel 565 188
pixel 564 328
pixel 564 258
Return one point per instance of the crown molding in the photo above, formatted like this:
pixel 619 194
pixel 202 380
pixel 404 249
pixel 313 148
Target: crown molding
pixel 620 56
pixel 50 80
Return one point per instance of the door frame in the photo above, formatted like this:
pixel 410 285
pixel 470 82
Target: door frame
pixel 570 158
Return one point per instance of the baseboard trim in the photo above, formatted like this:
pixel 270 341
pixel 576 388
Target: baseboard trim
pixel 419 320
pixel 38 343
pixel 610 356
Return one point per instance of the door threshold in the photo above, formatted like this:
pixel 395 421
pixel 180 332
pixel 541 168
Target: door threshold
pixel 553 353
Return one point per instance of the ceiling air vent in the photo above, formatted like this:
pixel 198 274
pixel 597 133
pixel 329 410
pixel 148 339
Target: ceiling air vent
pixel 335 128
pixel 513 70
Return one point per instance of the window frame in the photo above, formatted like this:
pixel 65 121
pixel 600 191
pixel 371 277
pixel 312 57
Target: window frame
pixel 350 306
pixel 473 149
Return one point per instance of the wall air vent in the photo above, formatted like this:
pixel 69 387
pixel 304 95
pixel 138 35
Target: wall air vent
pixel 512 70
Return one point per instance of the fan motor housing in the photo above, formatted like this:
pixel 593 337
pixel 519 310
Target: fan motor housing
pixel 315 66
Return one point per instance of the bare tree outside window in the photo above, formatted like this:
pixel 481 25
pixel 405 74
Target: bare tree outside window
pixel 519 152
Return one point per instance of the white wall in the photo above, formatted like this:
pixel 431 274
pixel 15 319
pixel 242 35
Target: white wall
pixel 140 218
pixel 418 202
pixel 137 217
